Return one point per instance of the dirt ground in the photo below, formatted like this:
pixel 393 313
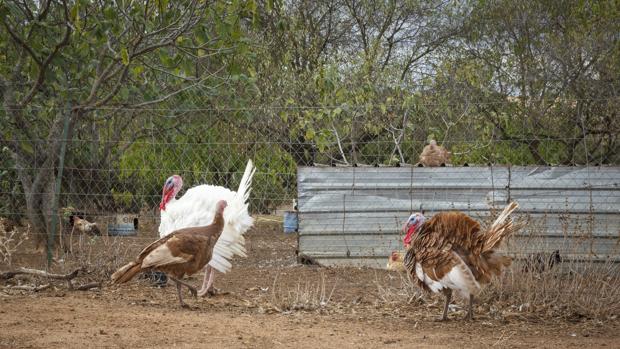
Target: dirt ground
pixel 269 301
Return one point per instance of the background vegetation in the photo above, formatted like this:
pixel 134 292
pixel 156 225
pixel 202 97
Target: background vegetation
pixel 152 88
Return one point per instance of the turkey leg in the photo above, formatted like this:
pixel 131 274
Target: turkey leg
pixel 448 293
pixel 207 283
pixel 470 312
pixel 183 304
pixel 203 289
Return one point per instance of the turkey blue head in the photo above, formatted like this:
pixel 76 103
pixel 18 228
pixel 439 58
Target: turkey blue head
pixel 414 222
pixel 171 187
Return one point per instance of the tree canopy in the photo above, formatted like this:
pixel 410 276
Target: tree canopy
pixel 152 88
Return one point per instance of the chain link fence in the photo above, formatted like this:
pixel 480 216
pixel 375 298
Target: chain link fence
pixel 117 159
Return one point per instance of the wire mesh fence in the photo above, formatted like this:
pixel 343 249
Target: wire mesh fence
pixel 118 158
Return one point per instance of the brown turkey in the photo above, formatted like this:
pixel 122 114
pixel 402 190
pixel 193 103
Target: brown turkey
pixel 450 252
pixel 183 252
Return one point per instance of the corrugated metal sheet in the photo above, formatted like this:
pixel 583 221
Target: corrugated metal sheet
pixel 353 215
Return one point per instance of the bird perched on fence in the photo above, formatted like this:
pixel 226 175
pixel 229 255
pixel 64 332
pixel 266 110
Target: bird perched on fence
pixel 197 206
pixel 182 252
pixel 434 155
pixel 450 252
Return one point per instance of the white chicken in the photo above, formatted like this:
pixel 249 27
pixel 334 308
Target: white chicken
pixel 197 208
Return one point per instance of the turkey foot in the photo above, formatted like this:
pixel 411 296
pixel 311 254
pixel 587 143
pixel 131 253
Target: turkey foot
pixel 213 291
pixel 191 288
pixel 208 293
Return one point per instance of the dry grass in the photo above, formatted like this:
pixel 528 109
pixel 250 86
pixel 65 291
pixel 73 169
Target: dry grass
pixel 101 255
pixel 404 293
pixel 571 290
pixel 10 241
pixel 305 295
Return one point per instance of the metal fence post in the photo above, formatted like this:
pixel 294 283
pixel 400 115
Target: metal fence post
pixel 61 165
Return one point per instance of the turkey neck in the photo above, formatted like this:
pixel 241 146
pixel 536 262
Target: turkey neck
pixel 218 224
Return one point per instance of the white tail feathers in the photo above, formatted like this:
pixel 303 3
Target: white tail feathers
pixel 501 228
pixel 237 222
pixel 245 186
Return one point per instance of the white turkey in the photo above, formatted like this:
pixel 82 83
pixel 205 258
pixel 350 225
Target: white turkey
pixel 197 208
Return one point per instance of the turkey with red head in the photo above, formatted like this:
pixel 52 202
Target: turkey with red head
pixel 197 208
pixel 450 252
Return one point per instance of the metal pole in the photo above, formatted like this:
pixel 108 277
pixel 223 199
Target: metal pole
pixel 61 165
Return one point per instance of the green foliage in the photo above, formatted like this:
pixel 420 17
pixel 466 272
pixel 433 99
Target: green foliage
pixel 197 88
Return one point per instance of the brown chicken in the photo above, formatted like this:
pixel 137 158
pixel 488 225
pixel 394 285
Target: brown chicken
pixel 395 261
pixel 450 252
pixel 183 252
pixel 85 226
pixel 434 155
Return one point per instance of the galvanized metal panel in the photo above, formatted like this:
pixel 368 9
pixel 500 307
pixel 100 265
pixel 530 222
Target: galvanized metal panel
pixel 366 178
pixel 362 246
pixel 353 216
pixel 598 225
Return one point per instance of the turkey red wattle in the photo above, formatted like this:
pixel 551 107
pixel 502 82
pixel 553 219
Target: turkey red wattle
pixel 171 187
pixel 166 196
pixel 410 231
pixel 414 222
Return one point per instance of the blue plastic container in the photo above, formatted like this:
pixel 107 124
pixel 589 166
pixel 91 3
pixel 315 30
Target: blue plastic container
pixel 290 221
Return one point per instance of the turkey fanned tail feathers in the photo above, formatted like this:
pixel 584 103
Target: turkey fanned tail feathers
pixel 197 207
pixel 237 222
pixel 451 251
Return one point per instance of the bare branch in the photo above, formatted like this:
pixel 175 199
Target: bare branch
pixel 109 96
pixel 46 7
pixel 43 66
pixel 87 286
pixel 22 43
pixel 172 94
pixel 344 157
pixel 10 274
pixel 398 140
pixel 28 288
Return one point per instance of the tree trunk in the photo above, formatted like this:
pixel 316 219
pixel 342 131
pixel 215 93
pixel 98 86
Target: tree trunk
pixel 39 200
pixel 38 178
